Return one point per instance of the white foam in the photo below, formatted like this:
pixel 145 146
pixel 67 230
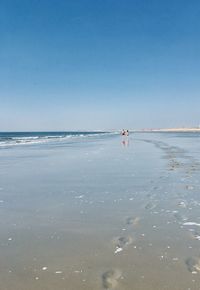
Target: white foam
pixel 191 224
pixel 58 272
pixel 25 138
pixel 118 250
pixel 80 196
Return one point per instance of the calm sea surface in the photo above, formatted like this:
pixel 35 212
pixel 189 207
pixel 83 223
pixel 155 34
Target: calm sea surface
pixel 95 210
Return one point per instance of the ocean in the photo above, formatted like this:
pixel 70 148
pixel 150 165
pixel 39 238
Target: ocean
pixel 28 138
pixel 95 210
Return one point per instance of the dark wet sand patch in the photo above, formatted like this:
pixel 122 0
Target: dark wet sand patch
pixel 172 153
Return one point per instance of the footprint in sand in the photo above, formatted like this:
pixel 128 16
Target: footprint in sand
pixel 193 264
pixel 121 243
pixel 189 187
pixel 132 221
pixel 173 164
pixel 183 203
pixel 195 235
pixel 150 205
pixel 180 218
pixel 110 279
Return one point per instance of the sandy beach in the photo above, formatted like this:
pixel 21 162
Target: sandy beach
pixel 104 212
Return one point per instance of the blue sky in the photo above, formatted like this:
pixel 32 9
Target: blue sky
pixel 103 64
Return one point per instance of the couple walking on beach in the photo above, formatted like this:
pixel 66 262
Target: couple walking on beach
pixel 125 132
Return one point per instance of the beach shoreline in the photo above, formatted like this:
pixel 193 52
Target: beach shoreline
pixel 171 130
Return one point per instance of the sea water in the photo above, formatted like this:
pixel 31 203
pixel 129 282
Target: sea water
pixel 96 210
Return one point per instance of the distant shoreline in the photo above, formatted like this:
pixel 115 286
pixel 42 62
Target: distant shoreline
pixel 185 130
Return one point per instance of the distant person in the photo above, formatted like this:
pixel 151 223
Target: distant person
pixel 123 132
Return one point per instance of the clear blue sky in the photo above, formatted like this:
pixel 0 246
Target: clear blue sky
pixel 99 64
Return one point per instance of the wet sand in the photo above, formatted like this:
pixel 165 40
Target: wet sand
pixel 106 214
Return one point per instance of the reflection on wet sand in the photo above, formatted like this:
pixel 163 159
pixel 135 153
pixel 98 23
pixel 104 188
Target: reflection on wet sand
pixel 125 142
pixel 94 216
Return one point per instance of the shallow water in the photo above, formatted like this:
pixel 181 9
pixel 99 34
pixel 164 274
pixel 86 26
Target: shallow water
pixel 101 213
